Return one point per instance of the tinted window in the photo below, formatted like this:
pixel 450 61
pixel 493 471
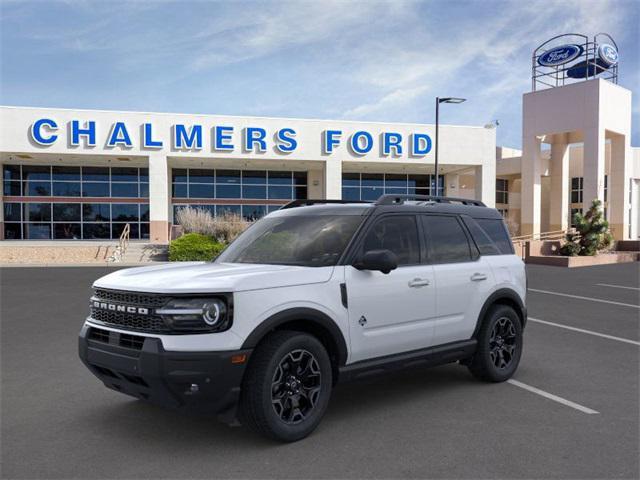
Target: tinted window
pixel 482 240
pixel 398 234
pixel 447 240
pixel 313 241
pixel 497 232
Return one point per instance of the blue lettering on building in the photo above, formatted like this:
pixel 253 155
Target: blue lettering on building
pixel 38 135
pixel 147 137
pixel 330 139
pixel 390 141
pixel 420 144
pixel 119 136
pixel 255 136
pixel 44 132
pixel 222 137
pixel 89 132
pixel 361 142
pixel 184 138
pixel 286 141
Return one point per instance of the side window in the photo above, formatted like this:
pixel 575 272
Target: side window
pixel 497 232
pixel 484 243
pixel 398 233
pixel 447 240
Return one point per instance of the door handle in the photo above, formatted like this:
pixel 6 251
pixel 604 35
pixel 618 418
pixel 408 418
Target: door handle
pixel 476 277
pixel 418 282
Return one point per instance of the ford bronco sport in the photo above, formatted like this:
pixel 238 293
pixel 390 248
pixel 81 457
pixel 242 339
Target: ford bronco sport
pixel 316 292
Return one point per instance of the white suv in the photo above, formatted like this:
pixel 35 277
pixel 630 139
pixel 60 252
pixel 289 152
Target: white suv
pixel 316 292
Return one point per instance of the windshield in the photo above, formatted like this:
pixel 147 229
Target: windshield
pixel 310 241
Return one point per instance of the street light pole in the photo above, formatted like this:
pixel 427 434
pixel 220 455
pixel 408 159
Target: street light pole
pixel 438 102
pixel 437 142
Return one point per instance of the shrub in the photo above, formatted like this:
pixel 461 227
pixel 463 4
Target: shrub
pixel 223 228
pixel 591 235
pixel 194 247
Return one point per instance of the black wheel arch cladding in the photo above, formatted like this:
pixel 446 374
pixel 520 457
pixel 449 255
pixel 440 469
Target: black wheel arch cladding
pixel 306 320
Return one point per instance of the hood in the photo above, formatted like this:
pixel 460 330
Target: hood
pixel 205 277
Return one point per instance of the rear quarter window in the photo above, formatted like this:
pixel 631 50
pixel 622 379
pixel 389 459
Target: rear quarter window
pixel 497 232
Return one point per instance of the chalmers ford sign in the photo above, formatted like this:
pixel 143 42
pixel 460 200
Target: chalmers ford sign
pixel 222 138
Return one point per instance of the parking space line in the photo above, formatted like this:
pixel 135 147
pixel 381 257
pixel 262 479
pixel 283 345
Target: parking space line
pixel 585 298
pixel 581 330
pixel 553 397
pixel 616 286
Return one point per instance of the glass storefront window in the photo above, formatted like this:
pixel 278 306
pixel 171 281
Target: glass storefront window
pixel 249 185
pixel 370 186
pixel 47 220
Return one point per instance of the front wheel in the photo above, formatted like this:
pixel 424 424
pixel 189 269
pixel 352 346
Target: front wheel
pixel 499 345
pixel 287 386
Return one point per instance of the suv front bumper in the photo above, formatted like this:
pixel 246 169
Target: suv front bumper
pixel 139 366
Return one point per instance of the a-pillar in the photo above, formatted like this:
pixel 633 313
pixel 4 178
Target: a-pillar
pixel 531 186
pixel 159 198
pixel 593 167
pixel 618 188
pixel 559 207
pixel 333 179
pixel 485 183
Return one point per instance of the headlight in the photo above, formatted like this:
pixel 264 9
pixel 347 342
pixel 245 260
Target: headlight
pixel 197 314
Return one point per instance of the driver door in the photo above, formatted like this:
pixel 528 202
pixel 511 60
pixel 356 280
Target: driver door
pixel 394 312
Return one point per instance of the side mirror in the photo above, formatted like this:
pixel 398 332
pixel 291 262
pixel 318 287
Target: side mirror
pixel 381 260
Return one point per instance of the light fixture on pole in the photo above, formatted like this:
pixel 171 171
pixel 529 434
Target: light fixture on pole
pixel 438 102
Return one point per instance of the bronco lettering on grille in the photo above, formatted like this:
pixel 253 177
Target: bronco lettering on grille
pixel 120 308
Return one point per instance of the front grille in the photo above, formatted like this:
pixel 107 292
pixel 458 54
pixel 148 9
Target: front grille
pixel 131 341
pixel 129 321
pixel 99 335
pixel 131 298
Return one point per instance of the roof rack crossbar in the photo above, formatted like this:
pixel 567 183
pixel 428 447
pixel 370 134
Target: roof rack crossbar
pixel 397 199
pixel 309 202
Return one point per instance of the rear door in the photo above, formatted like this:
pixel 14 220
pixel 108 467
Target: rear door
pixel 391 313
pixel 463 278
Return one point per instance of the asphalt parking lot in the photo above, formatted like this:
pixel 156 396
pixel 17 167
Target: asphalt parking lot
pixel 572 412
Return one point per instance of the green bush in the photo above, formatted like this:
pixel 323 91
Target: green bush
pixel 591 235
pixel 194 247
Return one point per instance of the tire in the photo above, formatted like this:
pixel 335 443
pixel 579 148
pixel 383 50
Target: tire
pixel 287 386
pixel 499 345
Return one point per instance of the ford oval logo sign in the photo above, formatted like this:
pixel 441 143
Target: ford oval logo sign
pixel 608 54
pixel 560 55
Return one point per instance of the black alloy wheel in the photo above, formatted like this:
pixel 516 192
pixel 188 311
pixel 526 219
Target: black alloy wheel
pixel 502 343
pixel 296 386
pixel 499 346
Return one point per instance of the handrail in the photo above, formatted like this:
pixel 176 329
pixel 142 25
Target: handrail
pixel 551 235
pixel 123 244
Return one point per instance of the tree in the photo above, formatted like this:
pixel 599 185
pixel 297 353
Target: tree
pixel 591 235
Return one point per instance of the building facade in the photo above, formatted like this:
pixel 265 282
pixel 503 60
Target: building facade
pixel 85 174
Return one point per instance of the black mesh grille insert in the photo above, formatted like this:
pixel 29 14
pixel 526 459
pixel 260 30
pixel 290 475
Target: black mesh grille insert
pixel 131 341
pixel 129 321
pixel 131 298
pixel 99 335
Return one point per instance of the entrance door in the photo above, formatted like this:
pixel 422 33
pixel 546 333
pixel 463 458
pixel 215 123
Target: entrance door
pixel 391 313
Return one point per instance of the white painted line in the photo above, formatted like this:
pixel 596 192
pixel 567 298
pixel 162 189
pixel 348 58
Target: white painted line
pixel 616 286
pixel 585 298
pixel 553 397
pixel 581 330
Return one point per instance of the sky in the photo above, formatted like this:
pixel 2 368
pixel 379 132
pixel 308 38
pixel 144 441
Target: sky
pixel 344 60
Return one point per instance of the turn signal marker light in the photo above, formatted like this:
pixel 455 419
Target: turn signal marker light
pixel 238 359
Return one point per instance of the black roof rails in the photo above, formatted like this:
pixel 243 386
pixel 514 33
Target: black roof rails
pixel 398 199
pixel 309 202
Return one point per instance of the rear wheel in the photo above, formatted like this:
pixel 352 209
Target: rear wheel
pixel 499 345
pixel 287 386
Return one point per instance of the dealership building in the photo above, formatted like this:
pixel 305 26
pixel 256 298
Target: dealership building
pixel 86 174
